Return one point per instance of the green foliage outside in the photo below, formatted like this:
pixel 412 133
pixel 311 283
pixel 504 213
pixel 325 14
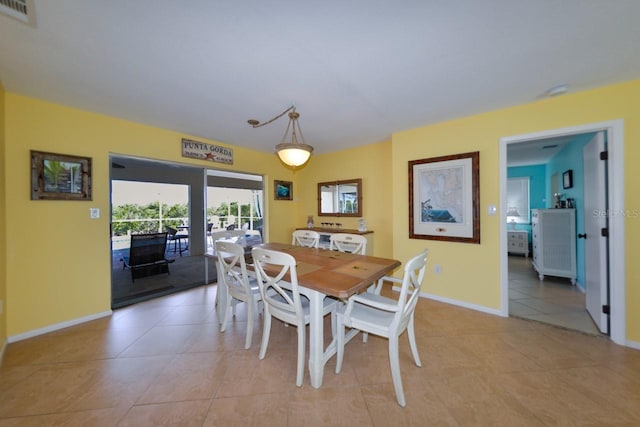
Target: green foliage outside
pixel 135 219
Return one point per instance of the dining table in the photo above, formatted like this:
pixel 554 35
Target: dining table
pixel 325 273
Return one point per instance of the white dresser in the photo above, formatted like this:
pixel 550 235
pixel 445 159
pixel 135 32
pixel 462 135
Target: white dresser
pixel 518 242
pixel 553 237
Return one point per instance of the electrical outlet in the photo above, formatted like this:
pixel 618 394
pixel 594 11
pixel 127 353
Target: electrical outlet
pixel 94 213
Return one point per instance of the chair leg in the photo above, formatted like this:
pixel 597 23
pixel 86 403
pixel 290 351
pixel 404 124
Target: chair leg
pixel 394 361
pixel 227 308
pixel 266 330
pixel 301 347
pixel 412 343
pixel 339 343
pixel 250 310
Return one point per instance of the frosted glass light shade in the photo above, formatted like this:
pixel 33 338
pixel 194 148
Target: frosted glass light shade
pixel 294 154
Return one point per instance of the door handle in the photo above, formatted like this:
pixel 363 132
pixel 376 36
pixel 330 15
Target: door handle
pixel 582 236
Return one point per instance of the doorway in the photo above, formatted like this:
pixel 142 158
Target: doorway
pixel 615 201
pixel 190 215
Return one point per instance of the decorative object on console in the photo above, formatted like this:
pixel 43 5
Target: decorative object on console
pixel 291 153
pixel 558 198
pixel 310 221
pixel 362 226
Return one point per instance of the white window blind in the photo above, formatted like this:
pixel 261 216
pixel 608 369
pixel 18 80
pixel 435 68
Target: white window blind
pixel 518 200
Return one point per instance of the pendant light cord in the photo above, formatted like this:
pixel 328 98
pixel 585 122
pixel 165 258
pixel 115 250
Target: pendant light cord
pixel 256 124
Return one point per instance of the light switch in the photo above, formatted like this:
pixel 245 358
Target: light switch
pixel 492 210
pixel 94 213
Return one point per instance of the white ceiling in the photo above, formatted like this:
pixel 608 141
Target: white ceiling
pixel 356 70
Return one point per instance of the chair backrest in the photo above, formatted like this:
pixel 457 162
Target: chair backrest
pixel 233 269
pixel 413 276
pixel 271 268
pixel 171 231
pixel 308 238
pixel 147 248
pixel 253 237
pixel 236 236
pixel 345 242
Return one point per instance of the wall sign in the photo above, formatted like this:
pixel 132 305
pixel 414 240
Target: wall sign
pixel 204 151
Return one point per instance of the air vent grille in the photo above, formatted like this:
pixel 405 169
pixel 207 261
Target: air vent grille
pixel 22 10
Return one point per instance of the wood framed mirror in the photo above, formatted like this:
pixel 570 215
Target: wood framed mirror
pixel 340 198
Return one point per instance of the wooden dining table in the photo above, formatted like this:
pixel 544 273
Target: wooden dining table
pixel 322 273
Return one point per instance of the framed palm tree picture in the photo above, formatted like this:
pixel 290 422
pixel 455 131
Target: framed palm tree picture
pixel 60 176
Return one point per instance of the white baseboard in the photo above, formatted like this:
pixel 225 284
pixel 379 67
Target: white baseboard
pixel 633 344
pixel 57 326
pixel 457 303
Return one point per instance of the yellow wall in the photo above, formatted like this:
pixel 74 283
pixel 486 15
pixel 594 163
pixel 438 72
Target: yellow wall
pixel 58 260
pixel 372 164
pixel 471 273
pixel 3 225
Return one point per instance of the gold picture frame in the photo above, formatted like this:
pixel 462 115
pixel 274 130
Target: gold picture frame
pixel 60 176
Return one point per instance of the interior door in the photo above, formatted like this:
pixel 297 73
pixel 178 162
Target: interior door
pixel 595 219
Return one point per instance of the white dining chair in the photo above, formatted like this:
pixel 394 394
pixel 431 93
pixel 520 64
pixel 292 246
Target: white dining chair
pixel 345 242
pixel 307 238
pixel 238 285
pixel 282 299
pixel 236 236
pixel 376 314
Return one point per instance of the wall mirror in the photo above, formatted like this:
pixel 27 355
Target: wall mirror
pixel 340 198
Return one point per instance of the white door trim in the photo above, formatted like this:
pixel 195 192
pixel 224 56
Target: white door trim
pixel 617 271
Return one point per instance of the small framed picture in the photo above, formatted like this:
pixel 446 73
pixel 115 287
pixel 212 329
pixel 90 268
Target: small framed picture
pixel 283 190
pixel 567 179
pixel 60 176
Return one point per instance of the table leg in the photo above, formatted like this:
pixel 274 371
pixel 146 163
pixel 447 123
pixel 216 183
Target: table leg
pixel 316 338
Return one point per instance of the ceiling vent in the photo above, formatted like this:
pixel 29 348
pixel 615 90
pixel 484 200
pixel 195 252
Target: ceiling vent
pixel 22 10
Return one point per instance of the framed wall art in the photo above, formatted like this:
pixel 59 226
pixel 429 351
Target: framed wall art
pixel 60 176
pixel 283 190
pixel 444 198
pixel 567 179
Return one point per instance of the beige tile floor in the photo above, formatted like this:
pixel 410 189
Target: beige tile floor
pixel 164 362
pixel 552 300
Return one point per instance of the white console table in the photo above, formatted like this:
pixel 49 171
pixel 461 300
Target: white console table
pixel 325 236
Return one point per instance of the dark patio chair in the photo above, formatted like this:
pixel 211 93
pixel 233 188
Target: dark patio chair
pixel 146 255
pixel 177 238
